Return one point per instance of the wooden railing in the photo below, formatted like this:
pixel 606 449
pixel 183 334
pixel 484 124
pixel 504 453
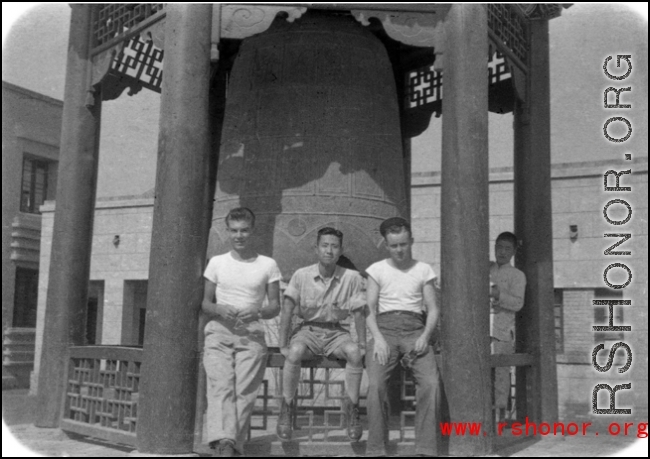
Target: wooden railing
pixel 103 390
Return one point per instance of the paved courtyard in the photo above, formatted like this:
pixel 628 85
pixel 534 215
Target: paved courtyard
pixel 18 409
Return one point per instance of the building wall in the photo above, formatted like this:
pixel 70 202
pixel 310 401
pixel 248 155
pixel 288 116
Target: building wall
pixel 130 218
pixel 31 123
pixel 578 264
pixel 578 199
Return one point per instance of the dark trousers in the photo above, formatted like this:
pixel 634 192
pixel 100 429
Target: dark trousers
pixel 401 332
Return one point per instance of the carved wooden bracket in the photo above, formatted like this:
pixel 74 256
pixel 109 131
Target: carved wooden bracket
pixel 113 71
pixel 544 11
pixel 242 21
pixel 415 29
pixel 155 33
pixel 519 77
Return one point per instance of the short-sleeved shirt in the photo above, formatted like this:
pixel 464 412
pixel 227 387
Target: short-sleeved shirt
pixel 401 290
pixel 326 300
pixel 241 284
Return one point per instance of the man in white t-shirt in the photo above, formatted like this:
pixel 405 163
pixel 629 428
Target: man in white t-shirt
pixel 234 355
pixel 402 317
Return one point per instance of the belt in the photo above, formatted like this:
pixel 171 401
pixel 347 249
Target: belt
pixel 322 324
pixel 406 313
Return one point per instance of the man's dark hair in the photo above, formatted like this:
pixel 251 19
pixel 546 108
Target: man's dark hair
pixel 395 225
pixel 508 236
pixel 241 214
pixel 329 231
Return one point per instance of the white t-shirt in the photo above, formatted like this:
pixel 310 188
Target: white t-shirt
pixel 400 290
pixel 241 284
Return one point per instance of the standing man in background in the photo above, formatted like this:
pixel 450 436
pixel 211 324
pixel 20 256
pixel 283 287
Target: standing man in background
pixel 507 289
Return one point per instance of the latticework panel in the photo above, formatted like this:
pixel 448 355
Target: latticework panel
pixel 510 27
pixel 319 415
pixel 321 392
pixel 113 19
pixel 141 61
pixel 424 85
pixel 407 397
pixel 497 69
pixel 103 393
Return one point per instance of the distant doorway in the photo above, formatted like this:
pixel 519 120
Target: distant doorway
pixel 94 312
pixel 25 298
pixel 134 312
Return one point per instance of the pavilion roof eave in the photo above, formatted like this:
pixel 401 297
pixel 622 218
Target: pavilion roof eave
pixel 398 7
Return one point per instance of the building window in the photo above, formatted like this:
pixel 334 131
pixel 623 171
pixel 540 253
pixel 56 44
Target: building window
pixel 25 298
pixel 34 186
pixel 559 320
pixel 94 312
pixel 601 315
pixel 143 317
pixel 134 312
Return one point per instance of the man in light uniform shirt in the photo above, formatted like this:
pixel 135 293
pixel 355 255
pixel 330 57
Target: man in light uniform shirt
pixel 325 294
pixel 508 285
pixel 234 355
pixel 399 291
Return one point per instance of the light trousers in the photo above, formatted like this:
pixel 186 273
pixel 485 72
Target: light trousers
pixel 234 362
pixel 401 332
pixel 502 374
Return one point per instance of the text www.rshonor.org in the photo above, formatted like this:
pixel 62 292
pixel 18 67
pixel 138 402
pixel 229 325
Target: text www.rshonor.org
pixel 529 428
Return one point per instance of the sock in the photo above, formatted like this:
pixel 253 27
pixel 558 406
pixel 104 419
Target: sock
pixel 290 378
pixel 353 382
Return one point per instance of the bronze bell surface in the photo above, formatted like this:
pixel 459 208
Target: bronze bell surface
pixel 311 138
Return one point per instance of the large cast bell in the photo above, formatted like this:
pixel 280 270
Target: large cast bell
pixel 311 138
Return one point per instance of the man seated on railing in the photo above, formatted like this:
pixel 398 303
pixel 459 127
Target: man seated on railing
pixel 507 288
pixel 325 294
pixel 402 318
pixel 235 349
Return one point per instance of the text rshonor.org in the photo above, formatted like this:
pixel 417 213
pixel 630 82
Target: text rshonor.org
pixel 529 428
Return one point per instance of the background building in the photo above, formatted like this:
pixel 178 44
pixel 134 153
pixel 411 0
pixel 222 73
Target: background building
pixel 31 127
pixel 120 263
pixel 578 265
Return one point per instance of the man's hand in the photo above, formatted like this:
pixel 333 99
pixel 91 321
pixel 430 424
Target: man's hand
pixel 285 351
pixel 381 351
pixel 226 311
pixel 495 292
pixel 249 314
pixel 422 344
pixel 362 350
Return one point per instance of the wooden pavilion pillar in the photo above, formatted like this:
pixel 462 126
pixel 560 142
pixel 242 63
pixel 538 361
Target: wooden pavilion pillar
pixel 168 383
pixel 533 226
pixel 67 292
pixel 464 226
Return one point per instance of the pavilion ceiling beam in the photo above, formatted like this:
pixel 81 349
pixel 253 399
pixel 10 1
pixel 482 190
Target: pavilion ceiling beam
pixel 430 8
pixel 243 21
pixel 415 29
